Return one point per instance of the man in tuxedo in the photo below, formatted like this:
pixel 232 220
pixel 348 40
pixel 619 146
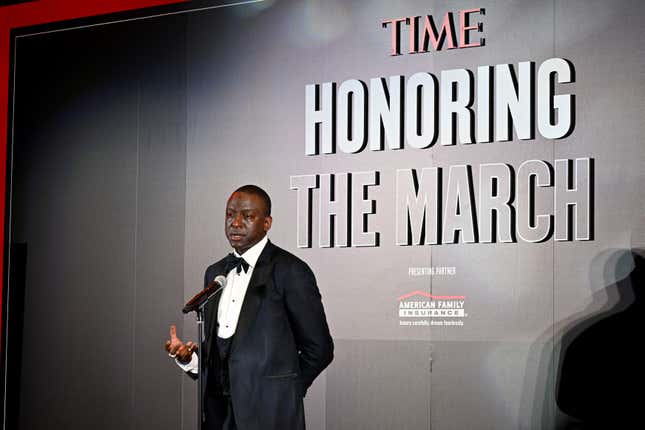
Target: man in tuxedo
pixel 267 337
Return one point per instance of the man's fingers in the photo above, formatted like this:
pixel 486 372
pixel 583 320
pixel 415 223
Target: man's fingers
pixel 184 353
pixel 175 347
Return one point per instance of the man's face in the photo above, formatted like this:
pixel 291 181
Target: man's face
pixel 246 222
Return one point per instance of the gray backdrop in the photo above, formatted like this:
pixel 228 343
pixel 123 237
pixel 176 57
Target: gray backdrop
pixel 129 137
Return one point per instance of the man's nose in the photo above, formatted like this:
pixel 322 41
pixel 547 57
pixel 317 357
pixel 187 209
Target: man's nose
pixel 237 220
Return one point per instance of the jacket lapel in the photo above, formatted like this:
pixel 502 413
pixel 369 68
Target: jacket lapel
pixel 210 323
pixel 255 293
pixel 210 316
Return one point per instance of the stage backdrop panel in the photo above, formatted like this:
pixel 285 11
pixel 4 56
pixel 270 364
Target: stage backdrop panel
pixel 98 197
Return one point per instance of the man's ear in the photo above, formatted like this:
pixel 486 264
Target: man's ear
pixel 267 223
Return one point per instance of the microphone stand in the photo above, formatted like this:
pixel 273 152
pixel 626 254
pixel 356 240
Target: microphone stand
pixel 202 298
pixel 200 365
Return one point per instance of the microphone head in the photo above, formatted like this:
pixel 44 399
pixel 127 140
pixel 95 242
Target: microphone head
pixel 200 298
pixel 220 279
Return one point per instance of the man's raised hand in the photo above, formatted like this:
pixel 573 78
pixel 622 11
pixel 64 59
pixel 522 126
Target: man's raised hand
pixel 176 348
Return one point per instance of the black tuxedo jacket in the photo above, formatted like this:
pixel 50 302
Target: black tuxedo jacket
pixel 281 342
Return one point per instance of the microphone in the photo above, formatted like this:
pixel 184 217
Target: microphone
pixel 203 296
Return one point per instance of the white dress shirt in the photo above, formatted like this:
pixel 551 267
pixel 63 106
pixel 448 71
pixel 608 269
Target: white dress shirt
pixel 230 303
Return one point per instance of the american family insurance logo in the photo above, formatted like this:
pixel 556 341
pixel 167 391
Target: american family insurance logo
pixel 419 308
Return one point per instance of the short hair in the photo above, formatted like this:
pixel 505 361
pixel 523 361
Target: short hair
pixel 255 190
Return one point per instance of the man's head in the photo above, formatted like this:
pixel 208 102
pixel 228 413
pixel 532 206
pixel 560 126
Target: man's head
pixel 248 217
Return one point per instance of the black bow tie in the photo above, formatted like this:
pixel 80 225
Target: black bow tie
pixel 239 263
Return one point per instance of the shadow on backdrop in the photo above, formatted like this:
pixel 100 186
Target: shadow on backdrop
pixel 602 363
pixel 588 366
